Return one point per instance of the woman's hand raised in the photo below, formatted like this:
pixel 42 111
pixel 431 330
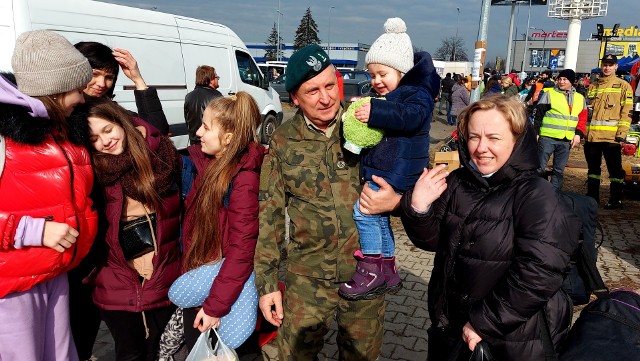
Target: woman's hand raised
pixel 429 187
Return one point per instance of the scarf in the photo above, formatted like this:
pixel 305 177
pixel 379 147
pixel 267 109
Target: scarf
pixel 164 162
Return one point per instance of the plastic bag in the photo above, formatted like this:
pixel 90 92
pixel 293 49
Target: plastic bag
pixel 202 350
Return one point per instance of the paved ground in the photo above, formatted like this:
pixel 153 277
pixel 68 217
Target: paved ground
pixel 407 320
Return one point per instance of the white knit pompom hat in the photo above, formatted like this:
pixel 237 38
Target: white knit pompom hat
pixel 393 48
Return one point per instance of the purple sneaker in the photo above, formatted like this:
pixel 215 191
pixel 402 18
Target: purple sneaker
pixel 367 282
pixel 394 283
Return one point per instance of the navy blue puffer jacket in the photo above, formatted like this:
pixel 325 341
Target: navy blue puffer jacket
pixel 405 116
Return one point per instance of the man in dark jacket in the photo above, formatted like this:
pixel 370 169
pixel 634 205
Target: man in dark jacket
pixel 207 83
pixel 445 94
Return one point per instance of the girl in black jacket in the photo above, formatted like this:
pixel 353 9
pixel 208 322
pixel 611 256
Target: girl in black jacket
pixel 502 239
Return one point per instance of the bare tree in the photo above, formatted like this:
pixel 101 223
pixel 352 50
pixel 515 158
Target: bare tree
pixel 452 49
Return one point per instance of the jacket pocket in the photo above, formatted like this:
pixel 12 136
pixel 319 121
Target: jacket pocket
pixel 301 169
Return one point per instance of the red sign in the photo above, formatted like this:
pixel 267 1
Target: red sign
pixel 556 34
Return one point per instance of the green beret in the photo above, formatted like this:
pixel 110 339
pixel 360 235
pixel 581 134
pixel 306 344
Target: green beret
pixel 304 64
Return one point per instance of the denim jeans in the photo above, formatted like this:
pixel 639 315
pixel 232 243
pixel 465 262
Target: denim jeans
pixel 560 150
pixel 376 236
pixel 452 120
pixel 446 99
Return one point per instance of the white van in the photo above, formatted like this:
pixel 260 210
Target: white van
pixel 168 49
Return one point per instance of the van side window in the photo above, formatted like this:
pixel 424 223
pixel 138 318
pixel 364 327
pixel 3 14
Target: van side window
pixel 248 70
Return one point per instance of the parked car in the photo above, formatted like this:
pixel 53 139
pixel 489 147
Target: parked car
pixel 355 89
pixel 355 74
pixel 278 86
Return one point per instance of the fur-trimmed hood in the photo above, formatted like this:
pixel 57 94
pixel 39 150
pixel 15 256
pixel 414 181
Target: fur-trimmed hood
pixel 18 125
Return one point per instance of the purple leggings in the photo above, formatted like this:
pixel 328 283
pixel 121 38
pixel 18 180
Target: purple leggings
pixel 34 324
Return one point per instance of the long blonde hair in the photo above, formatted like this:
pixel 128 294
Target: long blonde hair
pixel 240 116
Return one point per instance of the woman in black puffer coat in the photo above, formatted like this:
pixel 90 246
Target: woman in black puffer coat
pixel 502 239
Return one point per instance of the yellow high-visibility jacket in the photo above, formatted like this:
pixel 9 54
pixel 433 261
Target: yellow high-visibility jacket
pixel 611 99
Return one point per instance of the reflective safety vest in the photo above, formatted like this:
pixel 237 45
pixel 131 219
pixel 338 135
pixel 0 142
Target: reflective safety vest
pixel 559 122
pixel 611 101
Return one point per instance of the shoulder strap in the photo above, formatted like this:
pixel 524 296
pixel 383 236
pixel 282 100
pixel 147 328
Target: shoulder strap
pixel 187 176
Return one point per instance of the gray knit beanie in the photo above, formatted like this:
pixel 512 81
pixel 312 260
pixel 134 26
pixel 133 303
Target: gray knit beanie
pixel 393 48
pixel 45 63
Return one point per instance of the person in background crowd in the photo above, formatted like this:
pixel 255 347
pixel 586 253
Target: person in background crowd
pixel 106 64
pixel 611 102
pixel 47 218
pixel 560 120
pixel 502 237
pixel 221 219
pixel 581 87
pixel 309 174
pixel 513 75
pixel 409 83
pixel 445 95
pixel 494 86
pixel 509 89
pixel 459 98
pixel 206 89
pixel 139 170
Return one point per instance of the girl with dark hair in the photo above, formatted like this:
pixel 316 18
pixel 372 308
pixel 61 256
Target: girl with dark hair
pixel 222 207
pixel 105 63
pixel 140 172
pixel 47 220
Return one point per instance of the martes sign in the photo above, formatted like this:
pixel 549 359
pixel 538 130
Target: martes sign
pixel 555 35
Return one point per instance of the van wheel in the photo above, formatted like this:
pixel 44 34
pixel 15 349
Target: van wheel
pixel 269 125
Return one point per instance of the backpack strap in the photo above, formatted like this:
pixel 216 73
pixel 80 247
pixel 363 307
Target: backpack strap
pixel 188 174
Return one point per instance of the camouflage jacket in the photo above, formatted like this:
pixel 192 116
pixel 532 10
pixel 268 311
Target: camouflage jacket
pixel 316 181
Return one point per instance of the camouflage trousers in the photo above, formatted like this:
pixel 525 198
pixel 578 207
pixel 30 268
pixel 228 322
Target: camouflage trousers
pixel 311 304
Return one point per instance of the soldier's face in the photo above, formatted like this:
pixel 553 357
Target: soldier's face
pixel 319 98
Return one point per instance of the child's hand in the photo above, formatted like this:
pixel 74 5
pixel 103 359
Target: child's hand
pixel 362 113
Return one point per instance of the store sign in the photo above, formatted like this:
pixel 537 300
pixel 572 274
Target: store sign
pixel 630 32
pixel 556 34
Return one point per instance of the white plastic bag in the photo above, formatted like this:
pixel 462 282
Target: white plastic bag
pixel 202 350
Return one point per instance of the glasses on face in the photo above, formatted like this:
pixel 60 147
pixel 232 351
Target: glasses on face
pixel 217 77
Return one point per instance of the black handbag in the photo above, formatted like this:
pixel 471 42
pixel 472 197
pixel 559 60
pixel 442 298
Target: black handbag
pixel 137 237
pixel 480 353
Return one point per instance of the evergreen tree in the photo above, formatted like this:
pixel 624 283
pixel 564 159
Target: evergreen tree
pixel 273 53
pixel 307 32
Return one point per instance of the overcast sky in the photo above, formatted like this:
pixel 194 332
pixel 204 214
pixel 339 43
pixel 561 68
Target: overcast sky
pixel 428 21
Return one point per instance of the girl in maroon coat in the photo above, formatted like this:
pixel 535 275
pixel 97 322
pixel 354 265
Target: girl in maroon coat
pixel 140 171
pixel 222 207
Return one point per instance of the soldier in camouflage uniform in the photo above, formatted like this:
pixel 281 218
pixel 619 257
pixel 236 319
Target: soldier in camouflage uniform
pixel 308 172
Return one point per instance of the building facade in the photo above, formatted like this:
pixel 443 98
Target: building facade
pixel 347 55
pixel 546 50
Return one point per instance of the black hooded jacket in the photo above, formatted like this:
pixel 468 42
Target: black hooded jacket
pixel 502 248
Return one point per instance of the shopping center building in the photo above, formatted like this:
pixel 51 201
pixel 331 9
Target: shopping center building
pixel 547 49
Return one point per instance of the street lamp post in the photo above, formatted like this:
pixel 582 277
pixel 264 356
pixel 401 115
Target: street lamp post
pixel 278 40
pixel 526 38
pixel 456 38
pixel 329 33
pixel 544 40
